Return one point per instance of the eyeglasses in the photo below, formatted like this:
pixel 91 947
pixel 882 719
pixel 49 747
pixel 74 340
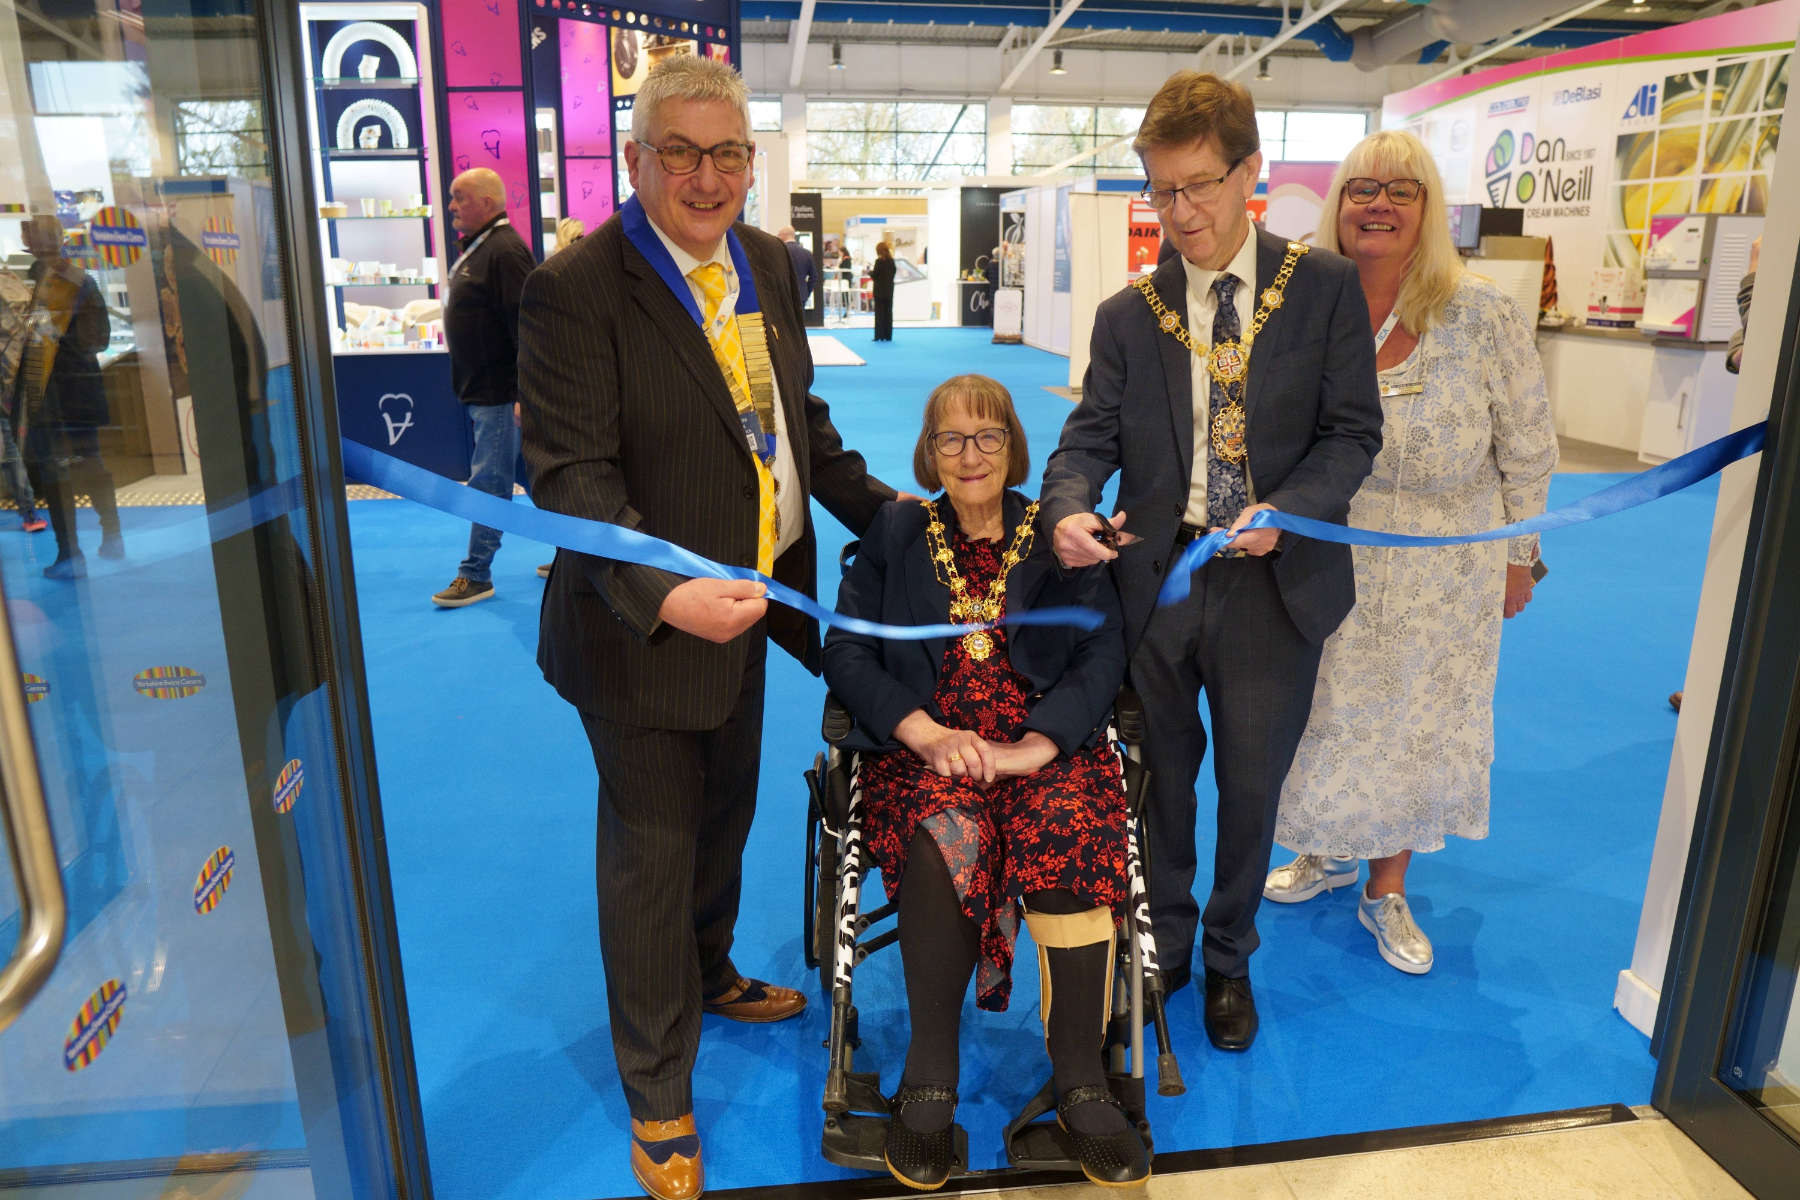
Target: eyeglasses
pixel 683 159
pixel 950 444
pixel 1400 191
pixel 1200 191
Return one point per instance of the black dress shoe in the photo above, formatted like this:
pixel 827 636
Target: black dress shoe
pixel 1108 1159
pixel 1230 1012
pixel 922 1161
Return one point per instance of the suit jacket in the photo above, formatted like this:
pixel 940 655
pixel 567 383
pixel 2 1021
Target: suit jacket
pixel 1314 413
pixel 1073 674
pixel 802 259
pixel 627 419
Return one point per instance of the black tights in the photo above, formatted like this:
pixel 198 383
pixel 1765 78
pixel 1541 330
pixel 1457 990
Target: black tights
pixel 939 947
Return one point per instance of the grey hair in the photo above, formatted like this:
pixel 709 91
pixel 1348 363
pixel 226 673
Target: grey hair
pixel 688 77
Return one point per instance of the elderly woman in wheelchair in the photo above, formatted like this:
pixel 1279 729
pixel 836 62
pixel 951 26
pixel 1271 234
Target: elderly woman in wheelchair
pixel 988 787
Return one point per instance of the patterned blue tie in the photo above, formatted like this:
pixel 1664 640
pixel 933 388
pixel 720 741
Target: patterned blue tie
pixel 1226 495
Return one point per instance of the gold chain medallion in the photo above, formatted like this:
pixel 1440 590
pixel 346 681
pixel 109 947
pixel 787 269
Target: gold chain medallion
pixel 1228 362
pixel 964 608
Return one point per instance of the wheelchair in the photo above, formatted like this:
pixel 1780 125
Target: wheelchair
pixel 839 935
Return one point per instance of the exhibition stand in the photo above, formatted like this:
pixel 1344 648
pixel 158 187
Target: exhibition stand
pixel 405 96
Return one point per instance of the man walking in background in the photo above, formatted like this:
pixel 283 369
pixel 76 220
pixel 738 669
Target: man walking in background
pixel 481 324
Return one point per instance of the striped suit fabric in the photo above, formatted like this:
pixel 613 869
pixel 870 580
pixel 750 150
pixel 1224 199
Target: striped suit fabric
pixel 627 419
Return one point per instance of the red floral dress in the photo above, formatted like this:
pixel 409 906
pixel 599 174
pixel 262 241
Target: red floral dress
pixel 1061 827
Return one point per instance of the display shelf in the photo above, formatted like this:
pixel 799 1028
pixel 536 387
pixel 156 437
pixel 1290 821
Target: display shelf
pixel 403 161
pixel 410 152
pixel 339 82
pixel 375 350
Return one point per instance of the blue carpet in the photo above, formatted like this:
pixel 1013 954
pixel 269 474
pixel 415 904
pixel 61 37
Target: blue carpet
pixel 488 791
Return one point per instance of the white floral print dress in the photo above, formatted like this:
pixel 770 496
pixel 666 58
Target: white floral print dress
pixel 1397 751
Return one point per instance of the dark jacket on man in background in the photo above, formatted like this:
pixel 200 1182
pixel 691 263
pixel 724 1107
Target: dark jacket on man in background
pixel 481 316
pixel 803 270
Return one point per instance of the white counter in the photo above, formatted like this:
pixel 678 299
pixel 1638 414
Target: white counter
pixel 1656 397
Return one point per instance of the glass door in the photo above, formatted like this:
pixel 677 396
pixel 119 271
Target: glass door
pixel 225 1000
pixel 1729 1070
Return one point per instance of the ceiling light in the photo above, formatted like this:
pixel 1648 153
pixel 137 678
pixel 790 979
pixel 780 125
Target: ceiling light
pixel 1262 69
pixel 1056 67
pixel 837 56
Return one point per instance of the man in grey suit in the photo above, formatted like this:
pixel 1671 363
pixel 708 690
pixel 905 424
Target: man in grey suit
pixel 665 375
pixel 1202 440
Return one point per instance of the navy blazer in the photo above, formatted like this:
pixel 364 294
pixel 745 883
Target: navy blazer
pixel 1073 675
pixel 1315 426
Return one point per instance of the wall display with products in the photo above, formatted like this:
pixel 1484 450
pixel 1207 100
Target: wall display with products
pixel 375 173
pixel 1595 145
pixel 379 178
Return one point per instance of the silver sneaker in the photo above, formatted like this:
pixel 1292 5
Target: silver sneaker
pixel 1309 875
pixel 1401 942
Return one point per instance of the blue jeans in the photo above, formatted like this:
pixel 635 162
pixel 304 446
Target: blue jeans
pixel 490 471
pixel 12 472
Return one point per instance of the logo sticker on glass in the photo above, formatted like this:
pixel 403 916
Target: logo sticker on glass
pixel 214 878
pixel 287 785
pixel 94 1026
pixel 117 235
pixel 220 241
pixel 36 687
pixel 167 683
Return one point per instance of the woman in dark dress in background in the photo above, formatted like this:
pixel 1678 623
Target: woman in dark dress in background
pixel 882 278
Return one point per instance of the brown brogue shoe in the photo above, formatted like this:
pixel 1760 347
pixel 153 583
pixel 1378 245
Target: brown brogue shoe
pixel 754 1001
pixel 665 1158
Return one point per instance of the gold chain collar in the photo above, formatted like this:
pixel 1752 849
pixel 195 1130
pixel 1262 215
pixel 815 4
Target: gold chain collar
pixel 1228 362
pixel 964 608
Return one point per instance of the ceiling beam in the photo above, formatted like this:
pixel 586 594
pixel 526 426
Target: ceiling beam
pixel 1031 51
pixel 1458 66
pixel 798 36
pixel 1310 15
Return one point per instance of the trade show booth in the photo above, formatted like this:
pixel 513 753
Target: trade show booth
pixel 406 96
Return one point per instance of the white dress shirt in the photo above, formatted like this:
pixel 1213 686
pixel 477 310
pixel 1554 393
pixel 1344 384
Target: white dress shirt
pixel 787 476
pixel 1202 307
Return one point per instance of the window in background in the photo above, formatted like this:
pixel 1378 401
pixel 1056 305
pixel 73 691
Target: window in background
pixel 895 140
pixel 765 116
pixel 1046 134
pixel 1300 136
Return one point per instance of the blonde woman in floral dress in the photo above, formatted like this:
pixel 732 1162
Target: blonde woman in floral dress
pixel 1397 751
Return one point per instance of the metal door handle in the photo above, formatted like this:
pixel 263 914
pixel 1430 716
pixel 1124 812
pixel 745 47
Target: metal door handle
pixel 25 819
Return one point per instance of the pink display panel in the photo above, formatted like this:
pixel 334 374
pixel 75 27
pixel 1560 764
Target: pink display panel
pixel 590 190
pixel 481 43
pixel 487 129
pixel 586 106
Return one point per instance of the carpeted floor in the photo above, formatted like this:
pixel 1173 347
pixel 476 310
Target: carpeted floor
pixel 488 792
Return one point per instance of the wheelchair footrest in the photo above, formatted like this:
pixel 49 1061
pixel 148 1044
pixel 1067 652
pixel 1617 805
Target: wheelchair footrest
pixel 1034 1143
pixel 855 1140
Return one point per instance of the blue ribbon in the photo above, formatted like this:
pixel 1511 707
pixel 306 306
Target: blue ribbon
pixel 1641 488
pixel 605 540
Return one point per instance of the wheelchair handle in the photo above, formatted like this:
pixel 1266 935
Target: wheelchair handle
pixel 1128 712
pixel 834 727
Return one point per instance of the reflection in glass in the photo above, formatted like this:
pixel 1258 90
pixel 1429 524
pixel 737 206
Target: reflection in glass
pixel 1761 1060
pixel 211 998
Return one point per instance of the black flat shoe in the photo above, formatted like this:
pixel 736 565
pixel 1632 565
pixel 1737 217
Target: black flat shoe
pixel 922 1161
pixel 1111 1159
pixel 1230 1012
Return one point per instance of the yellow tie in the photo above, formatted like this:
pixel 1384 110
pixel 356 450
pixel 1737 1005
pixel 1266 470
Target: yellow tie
pixel 728 352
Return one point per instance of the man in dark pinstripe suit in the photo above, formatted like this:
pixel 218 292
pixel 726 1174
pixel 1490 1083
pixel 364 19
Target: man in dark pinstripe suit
pixel 649 403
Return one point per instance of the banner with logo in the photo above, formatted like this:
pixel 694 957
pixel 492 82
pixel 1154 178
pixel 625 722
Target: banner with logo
pixel 1593 144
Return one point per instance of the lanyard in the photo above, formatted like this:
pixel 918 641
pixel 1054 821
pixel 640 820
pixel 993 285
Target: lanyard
pixel 484 237
pixel 1387 327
